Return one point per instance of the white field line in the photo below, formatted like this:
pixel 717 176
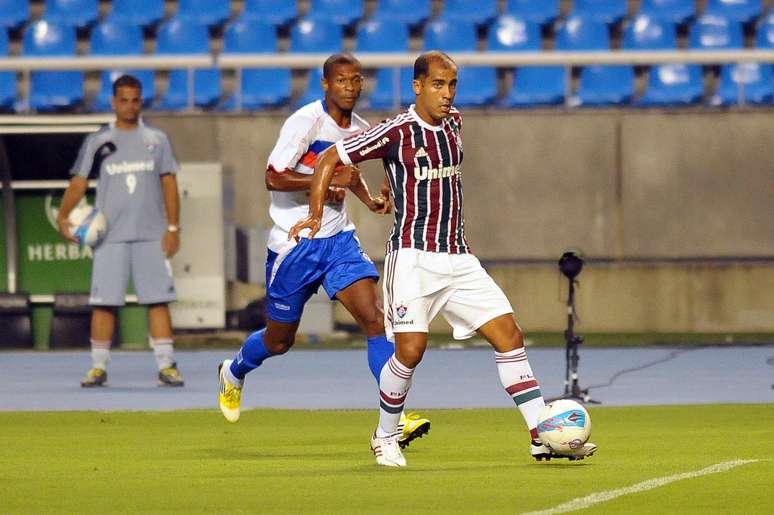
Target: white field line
pixel 596 498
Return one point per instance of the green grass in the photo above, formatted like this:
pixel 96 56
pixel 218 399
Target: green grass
pixel 277 461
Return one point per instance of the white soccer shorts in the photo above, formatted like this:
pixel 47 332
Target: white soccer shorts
pixel 418 285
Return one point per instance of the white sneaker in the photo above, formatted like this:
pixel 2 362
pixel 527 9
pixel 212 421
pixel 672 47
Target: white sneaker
pixel 387 451
pixel 229 395
pixel 541 452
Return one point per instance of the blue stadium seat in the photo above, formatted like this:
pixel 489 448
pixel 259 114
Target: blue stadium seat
pixel 184 36
pixel 383 95
pixel 7 79
pixel 340 12
pixel 112 37
pixel 13 13
pixel 313 90
pixel 532 85
pixel 477 84
pixel 543 12
pixel 673 85
pixel 745 83
pixel 676 11
pixel 52 90
pixel 260 87
pixel 599 85
pixel 765 35
pixel 275 12
pixel 711 32
pixel 411 12
pixel 79 13
pixel 450 36
pixel 312 35
pixel 145 13
pixel 479 12
pixel 668 84
pixel 208 12
pixel 607 11
pixel 647 32
pixel 744 11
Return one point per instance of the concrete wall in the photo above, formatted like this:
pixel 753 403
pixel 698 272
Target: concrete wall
pixel 628 186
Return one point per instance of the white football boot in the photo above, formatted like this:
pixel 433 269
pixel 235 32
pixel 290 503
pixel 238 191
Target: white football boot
pixel 387 451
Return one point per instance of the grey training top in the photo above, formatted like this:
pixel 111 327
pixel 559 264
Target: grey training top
pixel 129 187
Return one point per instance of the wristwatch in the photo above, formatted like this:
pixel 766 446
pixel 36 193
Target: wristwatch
pixel 173 228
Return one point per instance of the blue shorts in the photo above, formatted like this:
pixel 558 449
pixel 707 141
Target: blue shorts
pixel 292 278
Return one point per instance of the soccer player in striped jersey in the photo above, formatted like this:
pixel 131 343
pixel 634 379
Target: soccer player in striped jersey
pixel 429 268
pixel 294 272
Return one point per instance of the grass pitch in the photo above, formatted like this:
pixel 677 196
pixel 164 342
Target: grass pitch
pixel 473 461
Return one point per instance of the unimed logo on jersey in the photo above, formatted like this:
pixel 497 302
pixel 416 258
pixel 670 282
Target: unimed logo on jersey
pixel 129 167
pixel 379 144
pixel 425 172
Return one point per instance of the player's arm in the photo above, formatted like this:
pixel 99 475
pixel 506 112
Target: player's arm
pixel 72 195
pixel 379 204
pixel 290 180
pixel 171 240
pixel 321 181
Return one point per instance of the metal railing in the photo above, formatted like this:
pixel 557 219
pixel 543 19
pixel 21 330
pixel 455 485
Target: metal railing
pixel 238 62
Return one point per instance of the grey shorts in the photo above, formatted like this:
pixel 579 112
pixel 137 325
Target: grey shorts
pixel 150 270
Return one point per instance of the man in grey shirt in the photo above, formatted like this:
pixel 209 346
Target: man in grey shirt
pixel 137 193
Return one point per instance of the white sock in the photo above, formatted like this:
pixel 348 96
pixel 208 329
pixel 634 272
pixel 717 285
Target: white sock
pixel 163 351
pixel 394 384
pixel 100 353
pixel 231 378
pixel 517 379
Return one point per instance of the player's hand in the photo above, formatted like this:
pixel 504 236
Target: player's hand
pixel 64 229
pixel 380 205
pixel 346 176
pixel 170 243
pixel 310 222
pixel 335 195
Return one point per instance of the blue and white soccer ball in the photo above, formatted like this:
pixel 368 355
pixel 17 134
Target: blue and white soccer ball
pixel 87 224
pixel 564 425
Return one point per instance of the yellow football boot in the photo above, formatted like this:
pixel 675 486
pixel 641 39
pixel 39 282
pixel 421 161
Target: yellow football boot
pixel 230 395
pixel 94 377
pixel 411 426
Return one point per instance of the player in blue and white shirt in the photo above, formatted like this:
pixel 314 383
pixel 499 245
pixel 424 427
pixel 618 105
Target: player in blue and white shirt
pixel 295 269
pixel 137 192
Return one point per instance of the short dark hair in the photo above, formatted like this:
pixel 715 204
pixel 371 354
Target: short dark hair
pixel 126 81
pixel 422 64
pixel 336 59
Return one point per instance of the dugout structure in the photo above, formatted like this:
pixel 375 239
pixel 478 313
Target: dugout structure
pixel 36 154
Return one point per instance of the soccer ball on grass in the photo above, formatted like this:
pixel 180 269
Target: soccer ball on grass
pixel 564 426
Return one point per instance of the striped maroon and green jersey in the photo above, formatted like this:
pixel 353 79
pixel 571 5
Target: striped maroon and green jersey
pixel 424 166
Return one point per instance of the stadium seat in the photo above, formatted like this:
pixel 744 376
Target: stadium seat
pixel 676 11
pixel 712 32
pixel 383 35
pixel 185 36
pixel 744 11
pixel 7 79
pixel 477 84
pixel 275 12
pixel 145 13
pixel 313 90
pixel 383 94
pixel 52 90
pixel 312 35
pixel 668 84
pixel 260 87
pixel 599 85
pixel 414 13
pixel 765 35
pixel 542 13
pixel 15 321
pixel 112 37
pixel 647 32
pixel 532 85
pixel 478 12
pixel 13 13
pixel 208 12
pixel 673 85
pixel 79 13
pixel 341 12
pixel 607 11
pixel 745 83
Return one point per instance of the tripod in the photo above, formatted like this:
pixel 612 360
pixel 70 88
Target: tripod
pixel 571 388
